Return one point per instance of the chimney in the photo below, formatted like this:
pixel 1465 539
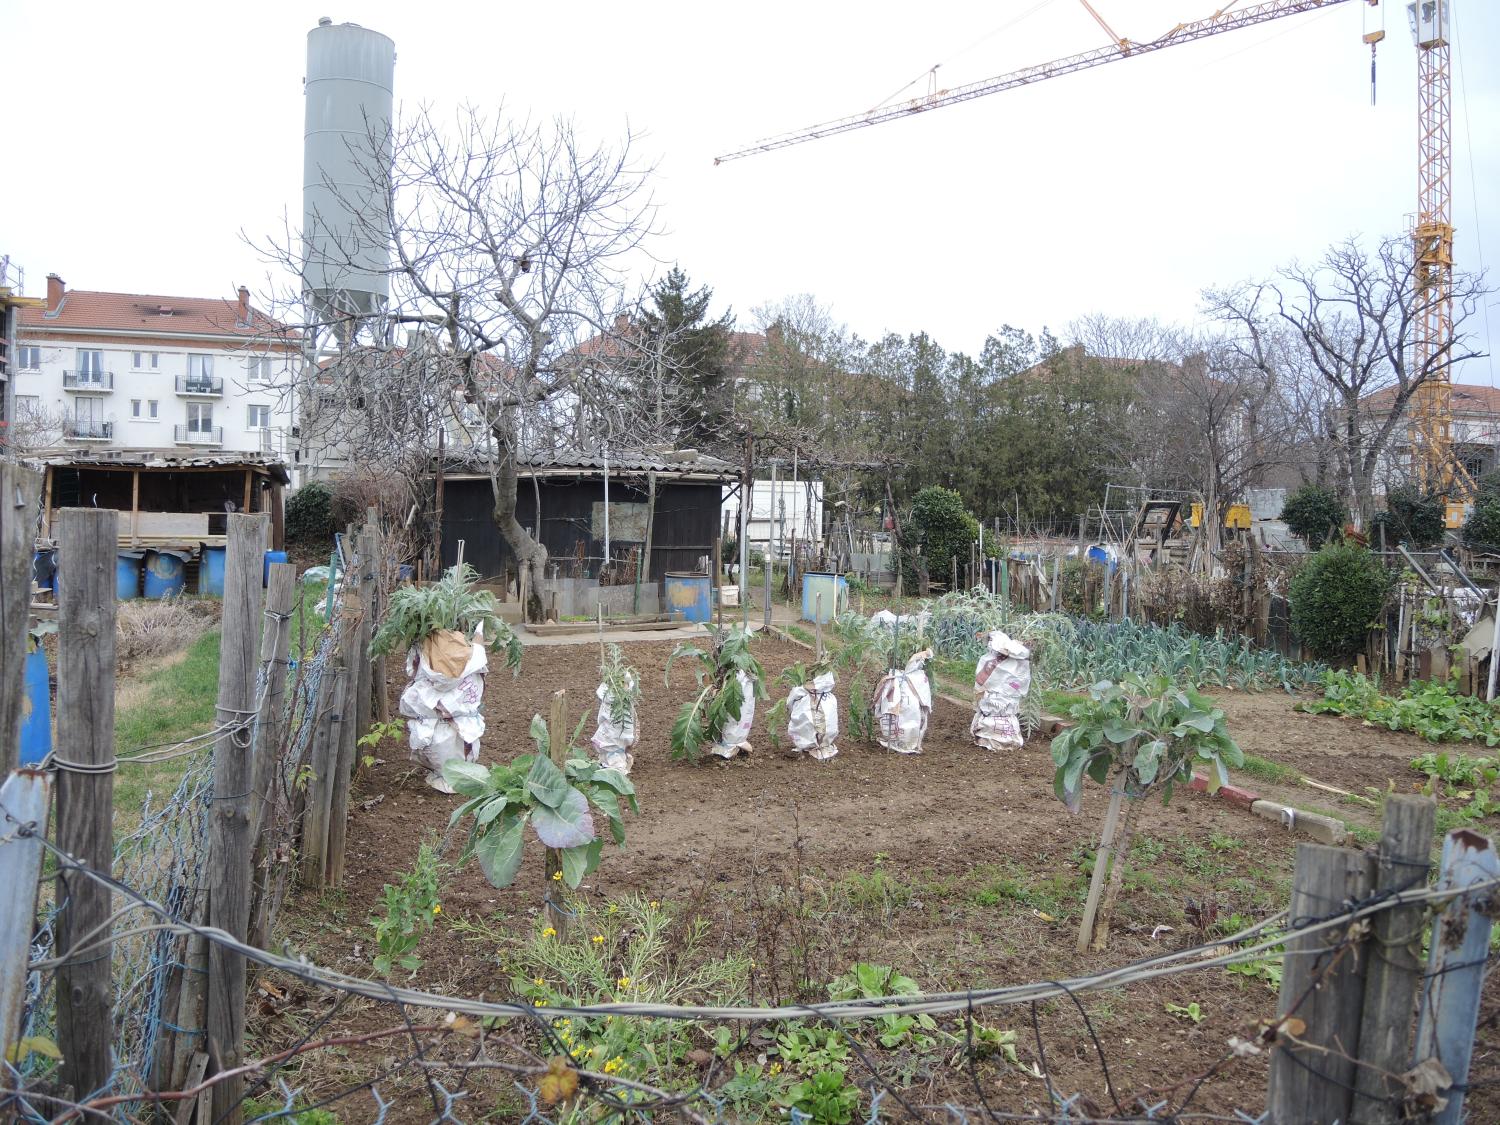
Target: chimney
pixel 622 324
pixel 244 317
pixel 56 290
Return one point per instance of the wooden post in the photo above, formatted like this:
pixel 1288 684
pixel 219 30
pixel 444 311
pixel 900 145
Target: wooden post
pixel 718 579
pixel 1395 966
pixel 341 751
pixel 87 544
pixel 322 760
pixel 270 729
pixel 19 489
pixel 557 747
pixel 1456 966
pixel 249 492
pixel 953 579
pixel 26 797
pixel 818 625
pixel 364 704
pixel 1101 863
pixel 1322 985
pixel 230 845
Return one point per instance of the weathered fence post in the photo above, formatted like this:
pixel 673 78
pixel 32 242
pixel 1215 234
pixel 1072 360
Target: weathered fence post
pixel 557 749
pixel 1395 965
pixel 1322 984
pixel 322 762
pixel 1456 963
pixel 230 845
pixel 24 798
pixel 1101 863
pixel 365 704
pixel 87 542
pixel 19 490
pixel 270 731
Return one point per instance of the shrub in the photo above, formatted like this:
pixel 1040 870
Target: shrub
pixel 309 514
pixel 1313 514
pixel 1413 518
pixel 943 528
pixel 1482 528
pixel 1336 596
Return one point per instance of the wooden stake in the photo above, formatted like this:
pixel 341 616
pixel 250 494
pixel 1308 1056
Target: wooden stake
pixel 557 748
pixel 322 760
pixel 26 797
pixel 1101 865
pixel 19 489
pixel 1395 967
pixel 230 844
pixel 270 729
pixel 87 545
pixel 1312 1082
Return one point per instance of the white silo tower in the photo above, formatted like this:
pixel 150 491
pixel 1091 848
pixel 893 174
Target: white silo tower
pixel 346 158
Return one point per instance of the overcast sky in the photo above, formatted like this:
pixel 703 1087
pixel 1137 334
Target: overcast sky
pixel 146 137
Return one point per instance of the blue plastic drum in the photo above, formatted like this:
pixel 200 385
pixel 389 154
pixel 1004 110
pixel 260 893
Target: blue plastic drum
pixel 689 596
pixel 211 572
pixel 127 576
pixel 36 710
pixel 166 574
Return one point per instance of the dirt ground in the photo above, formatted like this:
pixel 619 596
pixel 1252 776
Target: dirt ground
pixel 984 861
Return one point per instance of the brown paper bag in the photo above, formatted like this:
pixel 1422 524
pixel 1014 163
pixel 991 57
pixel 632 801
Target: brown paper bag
pixel 447 652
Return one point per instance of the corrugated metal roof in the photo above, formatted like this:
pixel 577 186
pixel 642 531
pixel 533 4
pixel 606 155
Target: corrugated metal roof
pixel 686 462
pixel 162 459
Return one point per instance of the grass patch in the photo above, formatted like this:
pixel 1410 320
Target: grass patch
pixel 1266 770
pixel 170 704
pixel 1055 701
pixel 800 633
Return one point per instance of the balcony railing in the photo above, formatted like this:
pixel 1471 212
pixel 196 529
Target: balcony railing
pixel 87 430
pixel 211 435
pixel 88 380
pixel 200 385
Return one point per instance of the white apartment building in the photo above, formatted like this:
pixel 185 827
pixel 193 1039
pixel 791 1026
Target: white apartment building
pixel 131 371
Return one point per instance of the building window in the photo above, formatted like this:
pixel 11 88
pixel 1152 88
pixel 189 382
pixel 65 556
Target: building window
pixel 200 366
pixel 151 408
pixel 200 417
pixel 28 406
pixel 29 357
pixel 258 369
pixel 90 361
pixel 146 361
pixel 258 417
pixel 135 408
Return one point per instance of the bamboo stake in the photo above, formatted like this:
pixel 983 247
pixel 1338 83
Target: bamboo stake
pixel 557 736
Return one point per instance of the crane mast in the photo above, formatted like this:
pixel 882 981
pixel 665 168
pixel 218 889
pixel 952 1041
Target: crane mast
pixel 1430 427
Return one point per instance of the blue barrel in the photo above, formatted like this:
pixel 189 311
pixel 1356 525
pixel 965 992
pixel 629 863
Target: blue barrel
pixel 835 591
pixel 44 568
pixel 36 710
pixel 405 572
pixel 211 572
pixel 127 576
pixel 165 574
pixel 265 567
pixel 689 596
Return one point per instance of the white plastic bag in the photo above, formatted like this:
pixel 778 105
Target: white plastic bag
pixel 735 738
pixel 812 718
pixel 1001 680
pixel 613 740
pixel 444 713
pixel 903 702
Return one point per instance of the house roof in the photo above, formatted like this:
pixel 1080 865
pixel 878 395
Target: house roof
pixel 143 312
pixel 1467 398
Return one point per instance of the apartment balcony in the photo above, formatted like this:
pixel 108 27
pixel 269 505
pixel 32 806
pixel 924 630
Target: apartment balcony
pixel 200 386
pixel 89 381
pixel 87 430
pixel 211 435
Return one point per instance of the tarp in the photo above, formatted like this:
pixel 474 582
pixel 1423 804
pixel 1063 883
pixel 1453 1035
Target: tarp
pixel 903 703
pixel 612 741
pixel 445 720
pixel 735 738
pixel 812 718
pixel 1001 680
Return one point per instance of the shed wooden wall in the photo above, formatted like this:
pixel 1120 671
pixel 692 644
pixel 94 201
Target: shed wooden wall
pixel 687 519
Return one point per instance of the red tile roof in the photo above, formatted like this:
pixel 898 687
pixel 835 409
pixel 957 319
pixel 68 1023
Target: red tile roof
pixel 1468 398
pixel 137 312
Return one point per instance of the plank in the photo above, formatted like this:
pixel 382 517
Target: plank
pixel 20 489
pixel 26 798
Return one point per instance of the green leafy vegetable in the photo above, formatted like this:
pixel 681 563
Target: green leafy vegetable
pixel 720 698
pixel 452 602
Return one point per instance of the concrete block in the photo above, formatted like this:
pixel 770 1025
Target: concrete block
pixel 1324 829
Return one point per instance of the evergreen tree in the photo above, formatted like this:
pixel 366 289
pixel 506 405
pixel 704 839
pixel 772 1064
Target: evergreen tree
pixel 694 355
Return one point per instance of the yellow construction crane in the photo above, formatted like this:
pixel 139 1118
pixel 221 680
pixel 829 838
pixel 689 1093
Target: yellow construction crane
pixel 1431 420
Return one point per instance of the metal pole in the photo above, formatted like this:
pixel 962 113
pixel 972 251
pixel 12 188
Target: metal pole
pixel 606 510
pixel 1489 693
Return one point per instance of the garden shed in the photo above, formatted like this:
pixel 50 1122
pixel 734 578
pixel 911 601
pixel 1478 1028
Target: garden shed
pixel 165 499
pixel 678 496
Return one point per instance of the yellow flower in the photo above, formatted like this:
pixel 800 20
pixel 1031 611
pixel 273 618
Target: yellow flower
pixel 613 909
pixel 655 903
pixel 614 1065
pixel 597 939
pixel 557 876
pixel 623 982
pixel 564 1022
pixel 539 982
pixel 437 908
pixel 549 932
pixel 775 1069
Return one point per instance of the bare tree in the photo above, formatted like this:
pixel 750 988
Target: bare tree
pixel 1353 317
pixel 511 244
pixel 35 427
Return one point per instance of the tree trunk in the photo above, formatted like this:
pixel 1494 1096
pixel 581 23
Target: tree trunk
pixel 1119 857
pixel 530 555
